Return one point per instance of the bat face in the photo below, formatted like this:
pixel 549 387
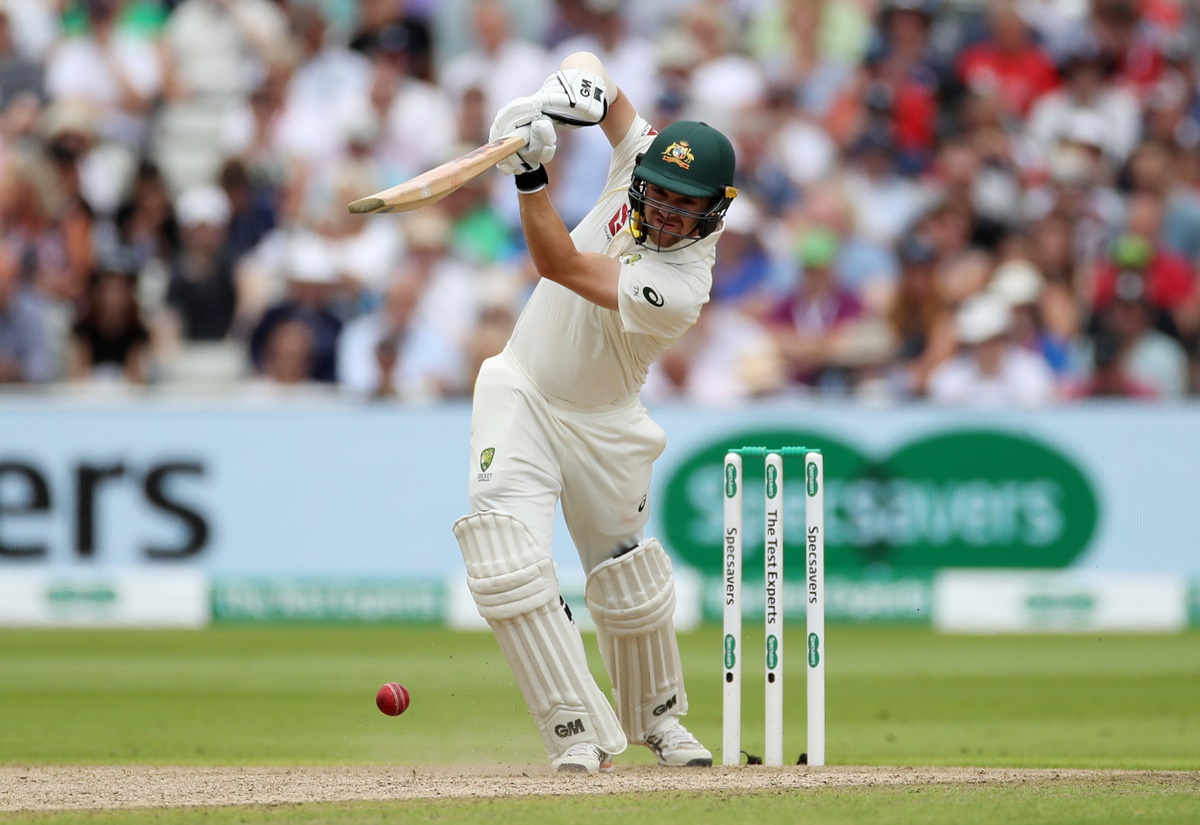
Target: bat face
pixel 437 183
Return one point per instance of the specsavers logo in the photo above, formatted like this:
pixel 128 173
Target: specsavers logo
pixel 680 154
pixel 956 498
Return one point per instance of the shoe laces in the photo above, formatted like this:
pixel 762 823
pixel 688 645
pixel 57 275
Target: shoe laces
pixel 585 749
pixel 676 737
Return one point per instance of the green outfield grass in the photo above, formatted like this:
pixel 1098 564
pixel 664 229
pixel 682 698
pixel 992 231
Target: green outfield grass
pixel 305 696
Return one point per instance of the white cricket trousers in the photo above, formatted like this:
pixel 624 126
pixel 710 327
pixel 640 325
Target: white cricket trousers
pixel 528 452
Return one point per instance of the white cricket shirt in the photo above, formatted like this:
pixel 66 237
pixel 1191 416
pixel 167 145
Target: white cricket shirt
pixel 582 354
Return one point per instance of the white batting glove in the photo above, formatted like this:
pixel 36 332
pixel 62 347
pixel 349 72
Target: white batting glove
pixel 574 98
pixel 523 117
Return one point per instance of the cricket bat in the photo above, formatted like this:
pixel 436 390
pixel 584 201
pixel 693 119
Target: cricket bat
pixel 437 183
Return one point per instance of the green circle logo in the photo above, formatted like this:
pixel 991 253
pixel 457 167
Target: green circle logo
pixel 959 498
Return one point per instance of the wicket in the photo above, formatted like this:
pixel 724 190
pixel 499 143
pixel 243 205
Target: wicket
pixel 773 586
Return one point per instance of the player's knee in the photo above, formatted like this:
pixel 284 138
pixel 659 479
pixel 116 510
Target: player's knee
pixel 634 593
pixel 508 574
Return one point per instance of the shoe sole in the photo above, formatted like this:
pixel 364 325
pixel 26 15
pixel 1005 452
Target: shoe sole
pixel 575 767
pixel 698 762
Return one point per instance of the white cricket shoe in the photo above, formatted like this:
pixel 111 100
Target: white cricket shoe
pixel 584 757
pixel 675 747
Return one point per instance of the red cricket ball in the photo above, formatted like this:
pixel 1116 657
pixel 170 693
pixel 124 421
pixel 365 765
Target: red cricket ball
pixel 392 699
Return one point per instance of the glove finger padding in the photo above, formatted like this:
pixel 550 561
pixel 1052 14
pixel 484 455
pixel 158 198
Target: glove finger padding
pixel 540 145
pixel 517 113
pixel 574 97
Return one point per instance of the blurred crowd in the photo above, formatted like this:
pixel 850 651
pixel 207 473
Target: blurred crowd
pixel 977 202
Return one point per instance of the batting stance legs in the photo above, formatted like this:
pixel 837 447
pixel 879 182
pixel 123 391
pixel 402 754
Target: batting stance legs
pixel 529 453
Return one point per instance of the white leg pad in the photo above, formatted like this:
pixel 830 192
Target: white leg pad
pixel 632 601
pixel 513 583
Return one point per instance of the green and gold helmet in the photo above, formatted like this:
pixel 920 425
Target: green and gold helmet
pixel 689 158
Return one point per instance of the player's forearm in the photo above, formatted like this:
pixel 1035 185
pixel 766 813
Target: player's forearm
pixel 621 113
pixel 556 257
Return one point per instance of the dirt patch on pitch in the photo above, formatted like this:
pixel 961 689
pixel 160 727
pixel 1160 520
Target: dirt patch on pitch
pixel 44 788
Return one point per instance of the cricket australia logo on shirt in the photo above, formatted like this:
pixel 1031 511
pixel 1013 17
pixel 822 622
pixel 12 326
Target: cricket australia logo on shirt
pixel 485 461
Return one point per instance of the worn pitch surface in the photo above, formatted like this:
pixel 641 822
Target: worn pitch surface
pixel 44 788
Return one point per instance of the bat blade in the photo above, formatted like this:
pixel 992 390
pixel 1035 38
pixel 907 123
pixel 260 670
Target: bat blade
pixel 430 187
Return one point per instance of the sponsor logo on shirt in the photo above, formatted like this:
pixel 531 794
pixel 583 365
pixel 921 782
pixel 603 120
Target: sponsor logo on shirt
pixel 485 461
pixel 650 294
pixel 617 221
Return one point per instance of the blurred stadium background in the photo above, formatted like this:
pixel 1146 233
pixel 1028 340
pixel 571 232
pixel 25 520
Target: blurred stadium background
pixel 964 263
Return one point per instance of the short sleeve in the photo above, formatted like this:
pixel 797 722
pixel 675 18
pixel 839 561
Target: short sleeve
pixel 659 299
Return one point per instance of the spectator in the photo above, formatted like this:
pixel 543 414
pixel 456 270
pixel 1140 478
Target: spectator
pixel 1154 170
pixel 1173 110
pixel 251 208
pixel 886 125
pixel 202 297
pixel 252 133
pixel 365 249
pixel 1008 62
pixel 112 68
pixel 287 365
pixel 324 93
pixel 806 324
pixel 492 330
pixel 1169 283
pixel 810 47
pixel 725 358
pixel 51 214
pixel 1022 287
pixel 311 280
pixel 1092 210
pixel 863 266
pixel 26 356
pixel 110 342
pixel 214 54
pixel 905 80
pixel 724 82
pixel 920 319
pixel 1088 89
pixel 148 237
pixel 417 118
pixel 384 24
pixel 742 273
pixel 453 291
pixel 501 64
pixel 1110 377
pixel 423 365
pixel 1133 37
pixel 19 75
pixel 884 202
pixel 1150 358
pixel 962 265
pixel 990 371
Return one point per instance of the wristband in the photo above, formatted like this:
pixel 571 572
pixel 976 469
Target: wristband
pixel 530 182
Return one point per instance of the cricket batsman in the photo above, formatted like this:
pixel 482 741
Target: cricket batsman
pixel 557 419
